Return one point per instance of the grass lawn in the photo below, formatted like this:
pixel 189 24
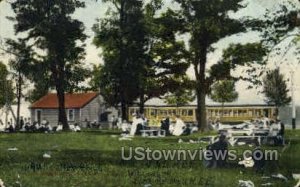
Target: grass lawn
pixel 93 158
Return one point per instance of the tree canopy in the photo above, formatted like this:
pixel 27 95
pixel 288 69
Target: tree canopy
pixel 141 54
pixel 275 88
pixel 207 22
pixel 49 26
pixel 223 91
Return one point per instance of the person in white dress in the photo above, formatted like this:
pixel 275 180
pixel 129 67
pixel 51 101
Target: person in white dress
pixel 59 127
pixel 135 121
pixel 179 127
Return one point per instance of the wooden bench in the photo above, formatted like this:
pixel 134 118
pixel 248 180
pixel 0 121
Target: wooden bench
pixel 153 133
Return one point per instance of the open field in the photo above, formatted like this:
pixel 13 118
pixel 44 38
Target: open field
pixel 93 158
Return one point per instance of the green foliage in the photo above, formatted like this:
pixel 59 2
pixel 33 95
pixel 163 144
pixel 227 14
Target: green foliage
pixel 141 54
pixel 22 63
pixel 166 57
pixel 49 27
pixel 207 22
pixel 275 89
pixel 6 88
pixel 224 91
pixel 122 39
pixel 94 83
pixel 183 94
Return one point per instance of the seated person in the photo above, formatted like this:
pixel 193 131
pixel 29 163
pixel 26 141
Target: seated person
pixel 187 130
pixel 194 128
pixel 258 157
pixel 248 161
pixel 218 152
pixel 125 127
pixel 77 128
pixel 27 126
pixel 48 128
pixel 10 128
pixel 59 127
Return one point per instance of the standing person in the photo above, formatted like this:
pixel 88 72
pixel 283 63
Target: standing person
pixel 119 122
pixel 21 122
pixel 112 122
pixel 280 135
pixel 165 125
pixel 179 127
pixel 27 125
pixel 115 123
pixel 87 123
pixel 145 120
pixel 136 121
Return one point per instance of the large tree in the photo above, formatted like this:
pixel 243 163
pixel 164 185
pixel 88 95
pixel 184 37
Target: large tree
pixel 275 89
pixel 50 27
pixel 207 22
pixel 121 37
pixel 140 51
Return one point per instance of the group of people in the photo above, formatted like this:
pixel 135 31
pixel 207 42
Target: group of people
pixel 216 155
pixel 44 126
pixel 273 127
pixel 140 122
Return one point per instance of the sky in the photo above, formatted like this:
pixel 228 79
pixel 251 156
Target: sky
pixel 255 8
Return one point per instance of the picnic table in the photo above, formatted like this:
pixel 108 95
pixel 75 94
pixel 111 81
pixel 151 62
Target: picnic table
pixel 153 133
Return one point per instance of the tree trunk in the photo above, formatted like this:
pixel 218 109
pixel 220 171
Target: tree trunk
pixel 201 88
pixel 19 96
pixel 201 110
pixel 124 111
pixel 59 78
pixel 142 103
pixel 62 117
pixel 123 58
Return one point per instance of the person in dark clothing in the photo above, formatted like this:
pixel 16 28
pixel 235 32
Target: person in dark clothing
pixel 219 152
pixel 10 128
pixel 187 130
pixel 21 122
pixel 165 125
pixel 280 135
pixel 87 123
pixel 138 129
pixel 258 157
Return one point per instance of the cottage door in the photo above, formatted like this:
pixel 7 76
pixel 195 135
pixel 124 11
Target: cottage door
pixel 38 116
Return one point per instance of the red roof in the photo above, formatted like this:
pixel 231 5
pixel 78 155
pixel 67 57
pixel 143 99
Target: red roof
pixel 77 100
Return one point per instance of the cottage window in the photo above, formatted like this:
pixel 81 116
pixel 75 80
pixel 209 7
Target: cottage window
pixel 71 114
